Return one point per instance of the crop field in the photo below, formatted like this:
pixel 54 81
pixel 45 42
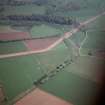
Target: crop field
pixel 65 83
pixel 74 10
pixel 31 50
pixel 6 48
pixel 33 67
pixel 25 10
pixel 44 30
pixel 94 41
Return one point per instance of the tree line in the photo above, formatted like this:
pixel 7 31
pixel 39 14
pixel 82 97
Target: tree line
pixel 37 18
pixel 18 3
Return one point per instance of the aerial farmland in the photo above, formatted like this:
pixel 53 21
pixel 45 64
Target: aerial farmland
pixel 52 52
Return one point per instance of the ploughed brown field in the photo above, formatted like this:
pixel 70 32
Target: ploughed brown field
pixel 14 35
pixel 39 97
pixel 39 44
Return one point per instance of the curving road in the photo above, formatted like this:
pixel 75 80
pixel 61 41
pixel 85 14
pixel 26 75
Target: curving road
pixel 66 35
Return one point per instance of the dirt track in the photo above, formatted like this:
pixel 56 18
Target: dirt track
pixel 66 35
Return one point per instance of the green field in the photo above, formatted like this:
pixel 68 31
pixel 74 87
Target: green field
pixel 12 47
pixel 53 58
pixel 97 25
pixel 17 74
pixel 77 38
pixel 24 10
pixel 86 10
pixel 78 82
pixel 25 70
pixel 95 41
pixel 95 36
pixel 87 67
pixel 71 87
pixel 44 30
